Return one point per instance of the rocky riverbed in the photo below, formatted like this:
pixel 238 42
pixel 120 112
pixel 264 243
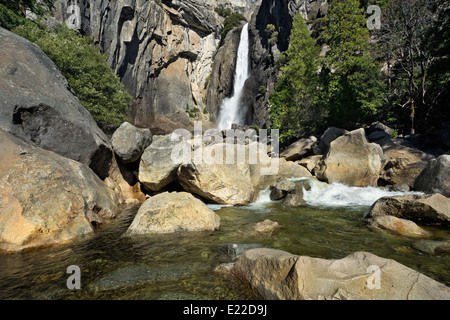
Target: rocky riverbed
pixel 141 220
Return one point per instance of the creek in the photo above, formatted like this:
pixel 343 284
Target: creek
pixel 181 265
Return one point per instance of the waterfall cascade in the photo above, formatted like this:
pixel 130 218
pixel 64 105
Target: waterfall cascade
pixel 230 111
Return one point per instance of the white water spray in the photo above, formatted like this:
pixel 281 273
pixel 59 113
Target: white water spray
pixel 335 195
pixel 230 111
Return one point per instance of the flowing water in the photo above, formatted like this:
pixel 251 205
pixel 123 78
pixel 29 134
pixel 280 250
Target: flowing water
pixel 230 111
pixel 181 265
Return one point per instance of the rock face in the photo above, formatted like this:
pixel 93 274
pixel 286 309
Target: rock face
pixel 279 13
pixel 275 274
pixel 431 209
pixel 163 51
pixel 351 160
pixel 435 177
pixel 173 212
pixel 221 80
pixel 47 199
pixel 130 142
pixel 37 106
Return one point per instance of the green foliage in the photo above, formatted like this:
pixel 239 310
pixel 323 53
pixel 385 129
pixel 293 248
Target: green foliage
pixel 272 33
pixel 231 22
pixel 35 6
pixel 223 12
pixel 194 112
pixel 294 101
pixel 350 74
pixel 9 19
pixel 94 82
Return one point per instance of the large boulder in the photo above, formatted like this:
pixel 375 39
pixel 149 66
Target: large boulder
pixel 331 134
pixel 403 163
pixel 130 142
pixel 282 189
pixel 274 274
pixel 351 160
pixel 435 177
pixel 234 182
pixel 37 106
pixel 47 199
pixel 223 183
pixel 157 168
pixel 430 209
pixel 173 212
pixel 299 149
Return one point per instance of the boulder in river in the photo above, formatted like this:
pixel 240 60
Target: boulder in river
pixel 351 160
pixel 157 168
pixel 423 209
pixel 403 163
pixel 46 199
pixel 173 212
pixel 236 182
pixel 278 275
pixel 435 177
pixel 399 226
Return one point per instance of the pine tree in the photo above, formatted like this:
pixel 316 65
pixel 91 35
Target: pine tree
pixel 294 100
pixel 350 74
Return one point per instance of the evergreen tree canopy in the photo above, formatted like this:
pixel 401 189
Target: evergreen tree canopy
pixel 295 98
pixel 351 76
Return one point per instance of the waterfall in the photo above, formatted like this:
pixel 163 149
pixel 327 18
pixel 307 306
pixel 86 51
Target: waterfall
pixel 230 108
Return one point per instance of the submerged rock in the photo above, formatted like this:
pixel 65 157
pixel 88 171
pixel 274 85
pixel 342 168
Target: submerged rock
pixel 138 275
pixel 399 226
pixel 266 226
pixel 274 274
pixel 433 247
pixel 46 199
pixel 294 200
pixel 173 212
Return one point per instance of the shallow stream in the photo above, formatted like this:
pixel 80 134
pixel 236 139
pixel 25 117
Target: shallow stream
pixel 181 266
